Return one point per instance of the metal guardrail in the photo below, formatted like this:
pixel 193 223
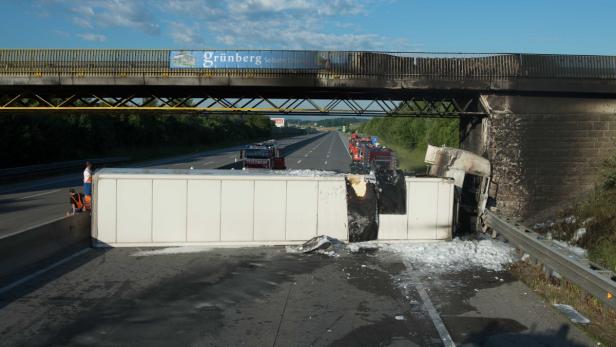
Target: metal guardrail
pixel 156 63
pixel 598 282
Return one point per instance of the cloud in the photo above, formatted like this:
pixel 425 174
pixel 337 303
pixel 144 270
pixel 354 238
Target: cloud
pixel 276 24
pixel 188 37
pixel 134 14
pixel 92 37
pixel 83 22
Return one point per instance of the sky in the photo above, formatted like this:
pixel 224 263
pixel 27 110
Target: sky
pixel 495 26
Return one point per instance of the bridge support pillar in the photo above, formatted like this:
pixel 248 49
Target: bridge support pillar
pixel 545 151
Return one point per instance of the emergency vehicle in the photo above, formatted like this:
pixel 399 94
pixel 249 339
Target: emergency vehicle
pixel 368 155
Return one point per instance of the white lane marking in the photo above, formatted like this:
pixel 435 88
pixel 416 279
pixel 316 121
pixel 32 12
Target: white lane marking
pixel 326 162
pixel 436 319
pixel 42 271
pixel 39 194
pixel 344 145
pixel 299 161
pixel 306 155
pixel 209 162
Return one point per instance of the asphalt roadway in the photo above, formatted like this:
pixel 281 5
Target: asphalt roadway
pixel 27 204
pixel 268 297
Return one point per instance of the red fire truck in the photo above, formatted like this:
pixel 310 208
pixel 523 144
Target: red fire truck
pixel 367 154
pixel 266 155
pixel 358 147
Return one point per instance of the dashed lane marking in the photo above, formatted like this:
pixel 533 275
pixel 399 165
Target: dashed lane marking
pixel 39 194
pixel 299 161
pixel 434 316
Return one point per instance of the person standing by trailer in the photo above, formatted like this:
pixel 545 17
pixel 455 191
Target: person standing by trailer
pixel 87 185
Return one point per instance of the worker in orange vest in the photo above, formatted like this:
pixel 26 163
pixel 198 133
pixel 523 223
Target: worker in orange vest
pixel 77 204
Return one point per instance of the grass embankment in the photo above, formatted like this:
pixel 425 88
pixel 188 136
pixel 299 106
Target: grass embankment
pixel 603 319
pixel 409 137
pixel 593 219
pixel 591 224
pixel 596 214
pixel 410 160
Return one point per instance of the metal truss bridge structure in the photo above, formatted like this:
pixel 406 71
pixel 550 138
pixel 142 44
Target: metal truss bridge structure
pixel 320 83
pixel 338 106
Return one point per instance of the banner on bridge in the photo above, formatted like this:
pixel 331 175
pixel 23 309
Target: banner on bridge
pixel 291 60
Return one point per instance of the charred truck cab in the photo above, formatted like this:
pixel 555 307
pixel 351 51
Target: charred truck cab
pixel 265 155
pixel 471 174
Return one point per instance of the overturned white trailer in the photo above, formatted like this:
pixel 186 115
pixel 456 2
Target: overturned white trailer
pixel 145 207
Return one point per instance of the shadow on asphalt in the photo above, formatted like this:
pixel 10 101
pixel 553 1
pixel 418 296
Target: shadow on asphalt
pixel 494 335
pixel 37 282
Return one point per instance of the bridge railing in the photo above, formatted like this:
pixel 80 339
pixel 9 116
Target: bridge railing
pixel 158 63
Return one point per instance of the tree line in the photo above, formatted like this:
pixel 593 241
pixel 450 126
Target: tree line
pixel 413 133
pixel 33 139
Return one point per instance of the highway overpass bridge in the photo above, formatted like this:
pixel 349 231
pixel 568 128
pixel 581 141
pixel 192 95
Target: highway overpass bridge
pixel 545 121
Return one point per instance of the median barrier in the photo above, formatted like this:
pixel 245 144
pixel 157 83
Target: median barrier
pixel 23 251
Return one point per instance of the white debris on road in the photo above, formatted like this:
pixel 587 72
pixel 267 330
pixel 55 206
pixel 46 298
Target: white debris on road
pixel 172 250
pixel 453 255
pixel 572 314
pixel 306 173
pixel 320 244
pixel 580 252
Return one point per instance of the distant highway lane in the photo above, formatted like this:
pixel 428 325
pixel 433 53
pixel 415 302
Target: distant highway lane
pixel 27 204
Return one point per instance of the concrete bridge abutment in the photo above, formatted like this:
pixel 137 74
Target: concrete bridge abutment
pixel 546 151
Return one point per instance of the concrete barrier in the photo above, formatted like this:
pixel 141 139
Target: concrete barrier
pixel 135 207
pixel 26 250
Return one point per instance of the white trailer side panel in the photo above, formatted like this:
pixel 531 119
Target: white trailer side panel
pixel 203 210
pixel 331 213
pixel 134 210
pixel 429 215
pixel 106 193
pixel 270 210
pixel 169 210
pixel 302 205
pixel 237 211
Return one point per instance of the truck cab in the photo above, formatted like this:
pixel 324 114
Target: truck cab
pixel 265 155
